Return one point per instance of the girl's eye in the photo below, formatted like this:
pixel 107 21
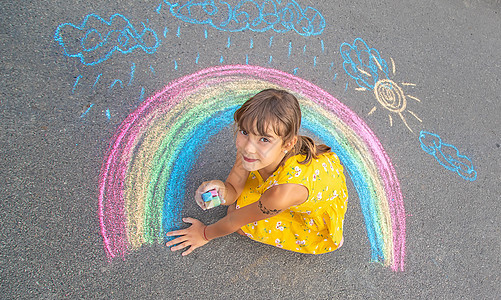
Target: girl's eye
pixel 265 140
pixel 243 132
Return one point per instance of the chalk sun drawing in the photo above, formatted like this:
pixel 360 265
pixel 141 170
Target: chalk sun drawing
pixel 371 72
pixel 447 155
pixel 144 173
pixel 96 39
pixel 258 16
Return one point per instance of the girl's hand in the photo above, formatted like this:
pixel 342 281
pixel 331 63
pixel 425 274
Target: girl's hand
pixel 218 185
pixel 192 236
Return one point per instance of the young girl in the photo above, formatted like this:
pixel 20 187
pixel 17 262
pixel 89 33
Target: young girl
pixel 283 190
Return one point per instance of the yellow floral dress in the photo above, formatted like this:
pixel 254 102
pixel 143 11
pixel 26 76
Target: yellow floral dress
pixel 315 226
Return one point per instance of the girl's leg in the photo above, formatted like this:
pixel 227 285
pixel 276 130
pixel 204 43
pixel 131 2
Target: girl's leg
pixel 231 208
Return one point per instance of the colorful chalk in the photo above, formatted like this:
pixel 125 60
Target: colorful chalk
pixel 207 197
pixel 211 198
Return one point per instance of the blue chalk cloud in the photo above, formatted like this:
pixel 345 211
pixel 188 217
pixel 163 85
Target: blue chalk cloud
pixel 363 64
pixel 258 16
pixel 96 39
pixel 447 155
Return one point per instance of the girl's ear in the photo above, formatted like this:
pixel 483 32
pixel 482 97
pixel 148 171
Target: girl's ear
pixel 291 144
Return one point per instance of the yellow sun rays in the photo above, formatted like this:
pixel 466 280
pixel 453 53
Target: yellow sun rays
pixel 391 96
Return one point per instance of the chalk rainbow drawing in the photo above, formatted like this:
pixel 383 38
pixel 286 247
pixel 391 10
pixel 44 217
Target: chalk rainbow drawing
pixel 96 39
pixel 257 16
pixel 143 176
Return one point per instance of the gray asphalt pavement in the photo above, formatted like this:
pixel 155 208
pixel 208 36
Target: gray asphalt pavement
pixel 72 71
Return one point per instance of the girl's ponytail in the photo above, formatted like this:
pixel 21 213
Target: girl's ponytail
pixel 307 147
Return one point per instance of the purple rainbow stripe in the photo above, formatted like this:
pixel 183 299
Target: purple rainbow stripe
pixel 142 181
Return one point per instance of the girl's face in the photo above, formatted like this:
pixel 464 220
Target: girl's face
pixel 260 153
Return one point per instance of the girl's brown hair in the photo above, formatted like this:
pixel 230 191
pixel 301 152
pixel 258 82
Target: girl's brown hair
pixel 279 110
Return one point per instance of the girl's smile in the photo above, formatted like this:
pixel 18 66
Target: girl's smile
pixel 249 160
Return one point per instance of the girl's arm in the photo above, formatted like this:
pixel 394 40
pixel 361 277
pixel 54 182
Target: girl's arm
pixel 235 182
pixel 272 202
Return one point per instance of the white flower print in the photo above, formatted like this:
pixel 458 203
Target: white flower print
pixel 314 177
pixel 298 171
pixel 311 222
pixel 335 195
pixel 317 172
pixel 255 223
pixel 237 206
pixel 332 167
pixel 325 166
pixel 249 235
pixel 279 226
pixel 277 241
pixel 319 196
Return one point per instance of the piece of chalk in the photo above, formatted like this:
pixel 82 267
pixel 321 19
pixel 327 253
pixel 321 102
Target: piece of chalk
pixel 216 201
pixel 211 198
pixel 207 196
